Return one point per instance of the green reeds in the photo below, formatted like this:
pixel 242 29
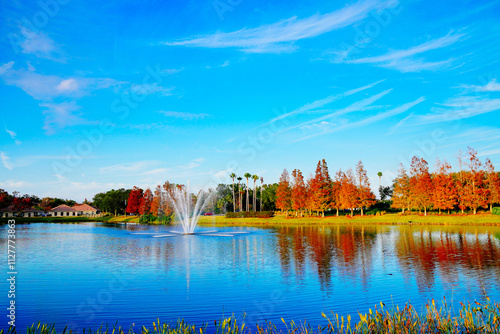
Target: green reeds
pixel 471 318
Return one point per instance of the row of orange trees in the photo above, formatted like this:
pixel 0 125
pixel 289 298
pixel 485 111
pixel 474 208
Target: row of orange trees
pixel 149 203
pixel 320 193
pixel 475 185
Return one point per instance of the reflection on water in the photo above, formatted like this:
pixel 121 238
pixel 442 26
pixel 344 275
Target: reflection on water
pixel 87 274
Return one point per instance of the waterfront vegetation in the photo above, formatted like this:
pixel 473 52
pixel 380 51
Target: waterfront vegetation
pixel 471 318
pixel 280 219
pixel 387 219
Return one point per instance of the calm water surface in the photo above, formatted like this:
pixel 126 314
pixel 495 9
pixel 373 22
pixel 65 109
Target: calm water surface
pixel 88 274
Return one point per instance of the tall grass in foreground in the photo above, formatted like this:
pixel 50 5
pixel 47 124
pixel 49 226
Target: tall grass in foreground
pixel 472 318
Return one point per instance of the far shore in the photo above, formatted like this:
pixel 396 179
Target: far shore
pixel 387 219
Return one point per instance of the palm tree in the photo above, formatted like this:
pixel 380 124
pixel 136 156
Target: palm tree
pixel 255 178
pixel 379 177
pixel 261 186
pixel 247 176
pixel 239 192
pixel 232 176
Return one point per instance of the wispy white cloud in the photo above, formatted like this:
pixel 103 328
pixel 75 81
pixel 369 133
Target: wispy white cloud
pixel 459 108
pixel 127 167
pixel 404 61
pixel 46 87
pixel 61 115
pixel 320 103
pixel 369 120
pixel 356 106
pixel 492 86
pixel 13 135
pixel 155 171
pixel 279 37
pixel 15 185
pixel 39 44
pixel 183 115
pixel 489 153
pixel 154 88
pixel 6 161
pixel 5 68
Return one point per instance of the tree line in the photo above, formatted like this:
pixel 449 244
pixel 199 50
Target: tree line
pixel 347 190
pixel 475 185
pixel 18 203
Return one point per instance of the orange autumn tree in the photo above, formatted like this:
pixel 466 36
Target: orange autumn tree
pixel 444 195
pixel 165 207
pixel 298 192
pixel 401 194
pixel 475 195
pixel 156 202
pixel 460 182
pixel 492 184
pixel 348 192
pixel 420 185
pixel 366 198
pixel 335 194
pixel 320 189
pixel 147 198
pixel 283 193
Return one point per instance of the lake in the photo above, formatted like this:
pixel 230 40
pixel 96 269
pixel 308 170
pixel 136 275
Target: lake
pixel 88 274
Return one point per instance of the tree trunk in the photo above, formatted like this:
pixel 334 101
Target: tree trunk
pixel 352 212
pixel 337 212
pixel 491 207
pixel 323 214
pixel 361 211
pixel 425 211
pixel 475 210
pixel 439 210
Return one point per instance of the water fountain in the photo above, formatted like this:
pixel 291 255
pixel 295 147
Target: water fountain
pixel 186 210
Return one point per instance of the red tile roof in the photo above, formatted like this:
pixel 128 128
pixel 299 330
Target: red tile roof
pixel 63 208
pixel 84 207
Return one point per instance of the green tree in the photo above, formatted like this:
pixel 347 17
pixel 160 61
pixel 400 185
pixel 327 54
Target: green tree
pixel 261 185
pixel 232 176
pixel 239 192
pixel 269 197
pixel 255 178
pixel 247 176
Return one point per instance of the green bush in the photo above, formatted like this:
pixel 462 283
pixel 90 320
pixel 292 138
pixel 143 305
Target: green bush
pixel 496 211
pixel 150 219
pixel 250 214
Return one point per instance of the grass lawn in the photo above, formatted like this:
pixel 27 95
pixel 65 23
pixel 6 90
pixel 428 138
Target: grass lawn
pixel 108 219
pixel 388 219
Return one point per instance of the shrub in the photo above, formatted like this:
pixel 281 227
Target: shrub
pixel 496 211
pixel 150 219
pixel 250 214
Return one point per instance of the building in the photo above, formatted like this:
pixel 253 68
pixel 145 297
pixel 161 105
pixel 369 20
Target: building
pixel 32 212
pixel 7 212
pixel 63 211
pixel 85 210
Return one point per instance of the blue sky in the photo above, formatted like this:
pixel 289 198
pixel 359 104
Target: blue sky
pixel 101 95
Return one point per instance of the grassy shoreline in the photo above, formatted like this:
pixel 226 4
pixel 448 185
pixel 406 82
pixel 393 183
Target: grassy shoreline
pixel 472 318
pixel 388 219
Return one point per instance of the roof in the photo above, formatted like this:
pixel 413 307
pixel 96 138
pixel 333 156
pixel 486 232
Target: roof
pixel 84 207
pixel 10 208
pixel 63 208
pixel 32 210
